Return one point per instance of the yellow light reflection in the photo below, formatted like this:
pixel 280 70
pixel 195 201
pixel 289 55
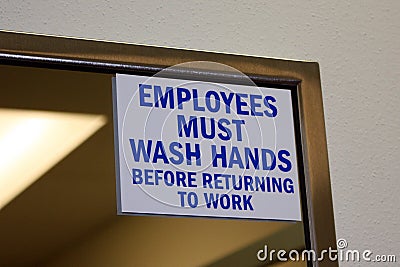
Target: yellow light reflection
pixel 32 142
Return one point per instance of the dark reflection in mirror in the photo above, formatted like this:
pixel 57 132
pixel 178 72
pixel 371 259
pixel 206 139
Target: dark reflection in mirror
pixel 68 216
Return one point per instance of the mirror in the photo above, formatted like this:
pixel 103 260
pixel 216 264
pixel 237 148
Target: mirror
pixel 58 203
pixel 68 215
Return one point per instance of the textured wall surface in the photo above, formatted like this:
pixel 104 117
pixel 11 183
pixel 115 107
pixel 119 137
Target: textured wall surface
pixel 357 44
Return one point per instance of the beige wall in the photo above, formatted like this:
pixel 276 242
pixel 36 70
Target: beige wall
pixel 356 43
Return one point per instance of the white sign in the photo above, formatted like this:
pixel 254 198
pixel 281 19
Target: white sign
pixel 198 148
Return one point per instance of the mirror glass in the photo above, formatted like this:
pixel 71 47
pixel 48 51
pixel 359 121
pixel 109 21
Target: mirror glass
pixel 58 203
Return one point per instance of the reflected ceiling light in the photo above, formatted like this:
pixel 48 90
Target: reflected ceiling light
pixel 32 142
